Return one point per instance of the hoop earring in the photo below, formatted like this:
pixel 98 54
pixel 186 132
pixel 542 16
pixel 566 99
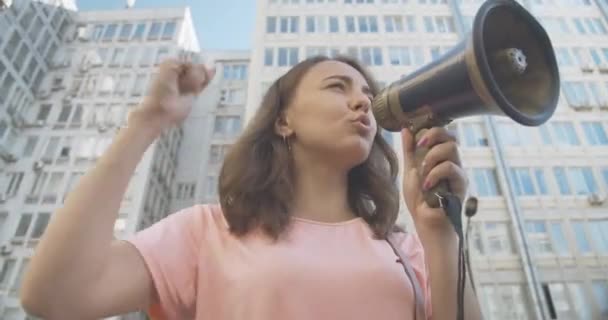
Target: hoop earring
pixel 286 141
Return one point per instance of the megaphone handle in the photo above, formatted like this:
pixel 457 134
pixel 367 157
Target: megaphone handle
pixel 434 195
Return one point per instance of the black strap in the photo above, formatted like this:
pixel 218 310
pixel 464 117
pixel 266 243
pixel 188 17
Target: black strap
pixel 453 208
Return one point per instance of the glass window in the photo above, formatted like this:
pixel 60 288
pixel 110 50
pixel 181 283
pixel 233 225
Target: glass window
pixel 284 24
pixel 595 133
pixel 575 93
pixel 600 291
pixel 51 148
pixel 154 32
pixel 474 134
pixel 211 186
pixel 399 56
pixel 139 85
pixel 282 61
pixel 17 283
pixel 125 31
pixel 169 30
pixel 130 56
pixel 500 238
pixel 227 125
pixel 373 23
pixel 6 273
pixel 161 55
pixel 506 301
pixel 269 56
pixel 310 24
pixel 139 31
pixel 478 244
pixel 21 56
pixel 24 225
pixel 147 56
pixel 30 146
pixel 42 220
pixel 582 180
pixel 579 26
pixel 581 237
pixel 564 133
pixel 333 24
pixel 562 180
pixel 560 300
pixel 109 33
pixel 410 20
pixel 485 182
pixel 65 113
pixel 560 244
pixel 507 132
pixel 117 57
pixel 295 21
pixel 539 238
pixel 599 234
pixel 36 30
pixel 43 112
pixel 563 57
pixel 522 181
pixel 6 87
pixel 28 16
pixel 377 52
pixel 287 57
pixel 428 24
pixel 350 24
pixel 541 182
pixel 580 301
pixel 271 24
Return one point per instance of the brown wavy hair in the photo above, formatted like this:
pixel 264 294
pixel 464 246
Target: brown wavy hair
pixel 256 182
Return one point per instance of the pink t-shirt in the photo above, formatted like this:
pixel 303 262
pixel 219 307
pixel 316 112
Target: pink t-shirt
pixel 318 271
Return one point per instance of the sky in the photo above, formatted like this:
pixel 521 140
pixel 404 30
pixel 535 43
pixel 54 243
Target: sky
pixel 220 24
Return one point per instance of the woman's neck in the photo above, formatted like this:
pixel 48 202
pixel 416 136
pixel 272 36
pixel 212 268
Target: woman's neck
pixel 321 193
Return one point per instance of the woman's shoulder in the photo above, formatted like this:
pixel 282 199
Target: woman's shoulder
pixel 201 217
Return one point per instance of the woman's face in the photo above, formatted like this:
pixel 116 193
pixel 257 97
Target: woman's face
pixel 330 114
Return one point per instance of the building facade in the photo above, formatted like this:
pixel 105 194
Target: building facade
pixel 67 82
pixel 211 128
pixel 539 244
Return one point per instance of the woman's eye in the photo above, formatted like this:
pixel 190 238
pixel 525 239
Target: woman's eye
pixel 337 85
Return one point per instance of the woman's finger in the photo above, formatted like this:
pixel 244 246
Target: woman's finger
pixel 451 172
pixel 447 151
pixel 435 135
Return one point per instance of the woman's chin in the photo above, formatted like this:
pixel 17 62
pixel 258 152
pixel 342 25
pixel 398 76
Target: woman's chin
pixel 354 153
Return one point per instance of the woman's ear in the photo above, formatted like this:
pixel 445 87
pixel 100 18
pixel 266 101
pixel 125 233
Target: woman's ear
pixel 282 127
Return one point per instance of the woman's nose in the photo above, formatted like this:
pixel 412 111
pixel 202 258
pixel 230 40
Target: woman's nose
pixel 361 102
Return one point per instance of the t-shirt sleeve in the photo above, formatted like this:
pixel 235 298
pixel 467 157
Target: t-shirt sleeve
pixel 413 248
pixel 170 250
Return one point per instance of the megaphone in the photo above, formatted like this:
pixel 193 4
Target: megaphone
pixel 505 67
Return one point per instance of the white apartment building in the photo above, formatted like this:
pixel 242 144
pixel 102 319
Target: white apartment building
pixel 539 241
pixel 67 82
pixel 210 129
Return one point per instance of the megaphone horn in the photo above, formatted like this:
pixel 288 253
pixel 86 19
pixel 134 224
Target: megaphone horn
pixel 505 67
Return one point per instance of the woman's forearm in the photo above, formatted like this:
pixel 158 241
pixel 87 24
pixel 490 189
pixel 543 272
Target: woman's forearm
pixel 441 254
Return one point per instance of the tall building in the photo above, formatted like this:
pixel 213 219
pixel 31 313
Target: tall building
pixel 540 239
pixel 67 82
pixel 210 129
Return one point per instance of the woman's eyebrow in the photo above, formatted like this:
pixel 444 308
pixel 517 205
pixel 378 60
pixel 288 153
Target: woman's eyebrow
pixel 348 80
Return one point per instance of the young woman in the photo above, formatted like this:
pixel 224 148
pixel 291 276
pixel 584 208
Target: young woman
pixel 307 200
